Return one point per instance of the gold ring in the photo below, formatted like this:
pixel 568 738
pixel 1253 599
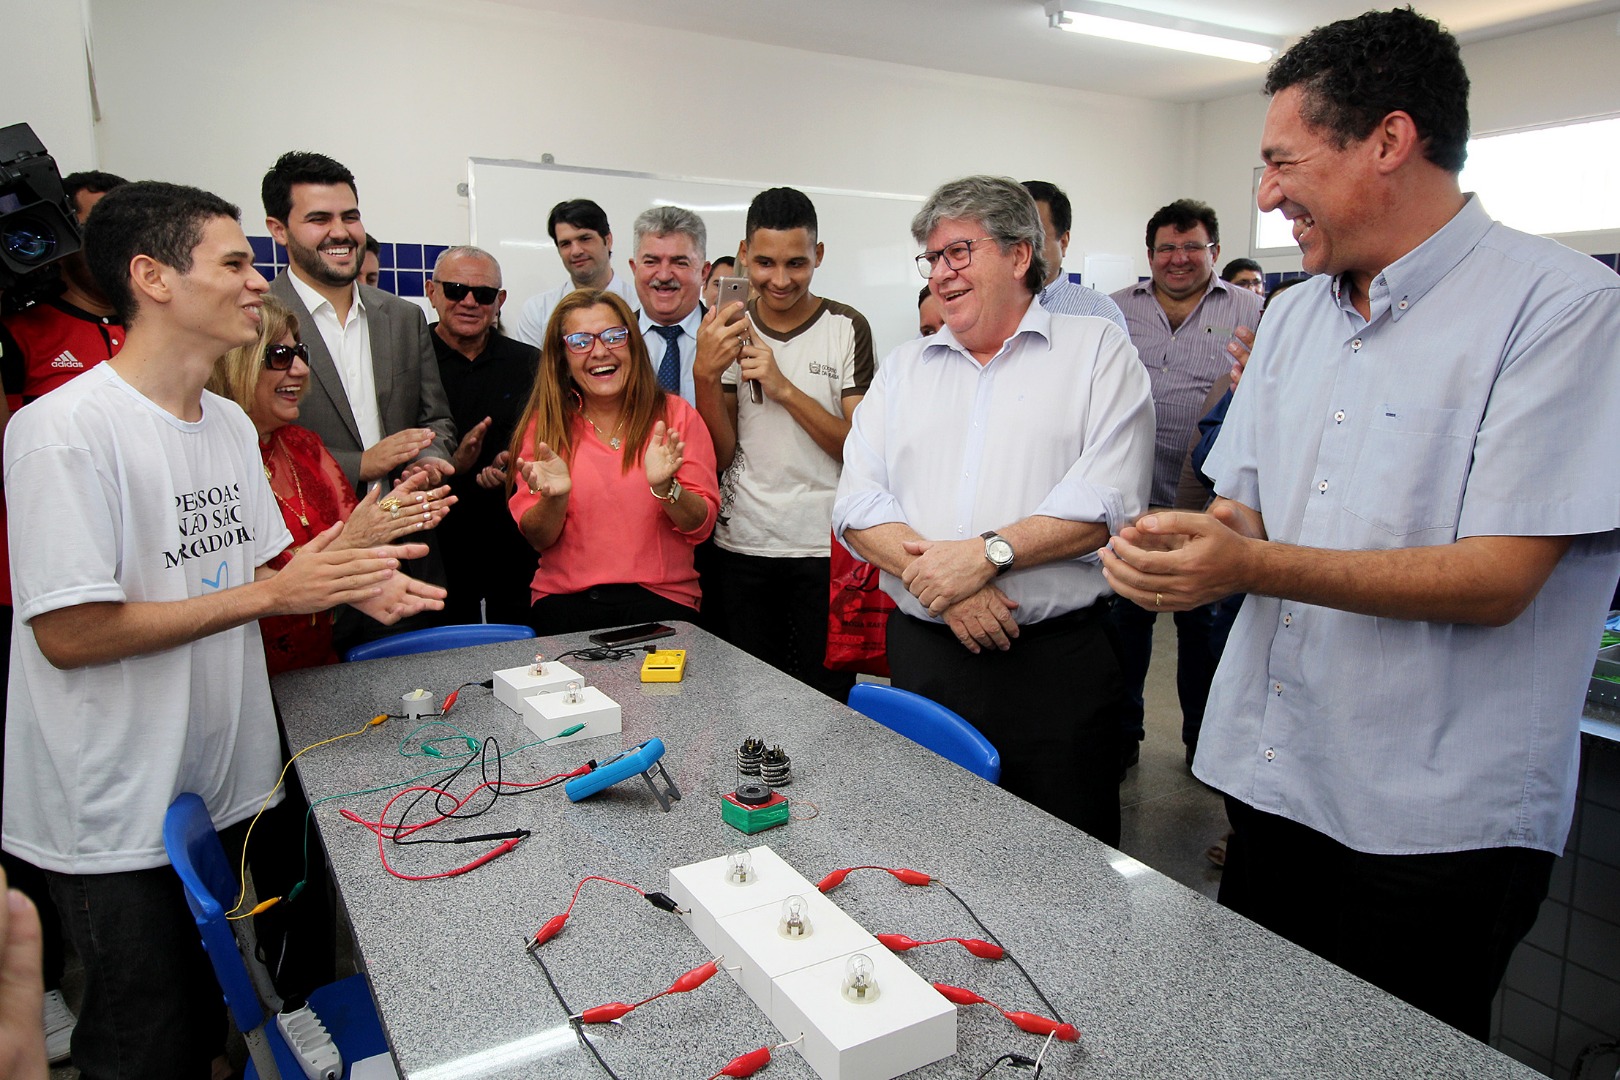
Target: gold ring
pixel 1158 598
pixel 391 505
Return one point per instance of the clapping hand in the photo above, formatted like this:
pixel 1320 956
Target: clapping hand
pixel 547 475
pixel 467 450
pixel 664 455
pixel 493 475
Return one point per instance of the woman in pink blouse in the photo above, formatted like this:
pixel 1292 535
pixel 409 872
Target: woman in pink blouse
pixel 615 483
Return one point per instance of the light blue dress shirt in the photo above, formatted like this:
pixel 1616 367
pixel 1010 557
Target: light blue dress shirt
pixel 1479 399
pixel 1059 424
pixel 688 343
pixel 1065 297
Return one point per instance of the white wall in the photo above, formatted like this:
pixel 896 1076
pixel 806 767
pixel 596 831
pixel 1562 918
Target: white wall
pixel 1544 76
pixel 44 83
pixel 403 92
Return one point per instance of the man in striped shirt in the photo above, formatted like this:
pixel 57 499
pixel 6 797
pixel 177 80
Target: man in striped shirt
pixel 1181 321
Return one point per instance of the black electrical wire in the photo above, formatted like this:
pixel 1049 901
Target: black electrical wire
pixel 579 1028
pixel 602 652
pixel 1017 1061
pixel 490 751
pixel 1050 1008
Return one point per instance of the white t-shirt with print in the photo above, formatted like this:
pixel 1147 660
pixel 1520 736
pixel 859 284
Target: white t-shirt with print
pixel 776 499
pixel 114 499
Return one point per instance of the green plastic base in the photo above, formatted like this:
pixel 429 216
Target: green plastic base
pixel 752 820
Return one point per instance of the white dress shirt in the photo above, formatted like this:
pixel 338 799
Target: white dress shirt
pixel 1059 424
pixel 536 313
pixel 350 346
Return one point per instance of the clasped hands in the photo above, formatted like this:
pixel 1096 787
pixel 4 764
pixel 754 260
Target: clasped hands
pixel 953 580
pixel 1175 561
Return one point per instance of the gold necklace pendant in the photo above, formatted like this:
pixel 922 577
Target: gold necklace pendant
pixel 613 440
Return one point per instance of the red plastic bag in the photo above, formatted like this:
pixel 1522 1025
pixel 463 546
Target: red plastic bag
pixel 857 616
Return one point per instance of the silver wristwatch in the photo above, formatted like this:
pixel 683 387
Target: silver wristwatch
pixel 997 551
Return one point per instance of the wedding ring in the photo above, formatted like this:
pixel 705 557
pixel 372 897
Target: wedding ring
pixel 1158 598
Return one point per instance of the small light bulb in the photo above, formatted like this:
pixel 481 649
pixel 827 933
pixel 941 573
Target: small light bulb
pixel 539 665
pixel 795 924
pixel 573 692
pixel 740 868
pixel 859 984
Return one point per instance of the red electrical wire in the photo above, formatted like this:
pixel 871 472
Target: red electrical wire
pixel 605 1014
pixel 984 950
pixel 750 1063
pixel 1033 1023
pixel 384 831
pixel 553 926
pixel 836 878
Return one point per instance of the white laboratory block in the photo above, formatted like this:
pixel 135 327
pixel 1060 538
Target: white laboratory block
pixel 702 889
pixel 752 942
pixel 512 685
pixel 907 1026
pixel 545 714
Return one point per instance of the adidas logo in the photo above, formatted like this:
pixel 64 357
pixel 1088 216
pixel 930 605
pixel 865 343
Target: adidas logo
pixel 66 359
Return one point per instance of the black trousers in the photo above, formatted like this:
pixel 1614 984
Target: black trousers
pixel 603 606
pixel 152 1008
pixel 1436 931
pixel 1050 705
pixel 1198 653
pixel 776 610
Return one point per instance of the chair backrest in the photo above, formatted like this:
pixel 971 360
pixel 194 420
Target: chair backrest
pixel 435 638
pixel 929 724
pixel 196 854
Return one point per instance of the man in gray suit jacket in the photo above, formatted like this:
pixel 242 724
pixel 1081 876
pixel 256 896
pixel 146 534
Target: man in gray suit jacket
pixel 374 398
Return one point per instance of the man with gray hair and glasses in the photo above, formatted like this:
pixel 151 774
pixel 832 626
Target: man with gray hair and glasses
pixel 983 470
pixel 668 266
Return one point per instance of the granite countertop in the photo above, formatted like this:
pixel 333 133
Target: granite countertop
pixel 1160 981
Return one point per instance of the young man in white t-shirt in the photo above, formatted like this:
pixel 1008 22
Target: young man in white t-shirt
pixel 141 525
pixel 781 456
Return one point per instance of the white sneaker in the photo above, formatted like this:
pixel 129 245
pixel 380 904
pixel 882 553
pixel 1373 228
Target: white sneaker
pixel 59 1023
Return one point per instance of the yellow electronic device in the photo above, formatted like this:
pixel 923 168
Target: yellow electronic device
pixel 665 665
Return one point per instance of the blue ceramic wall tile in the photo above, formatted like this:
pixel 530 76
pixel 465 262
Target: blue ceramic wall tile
pixel 408 256
pixel 385 280
pixel 431 253
pixel 409 282
pixel 264 249
pixel 385 256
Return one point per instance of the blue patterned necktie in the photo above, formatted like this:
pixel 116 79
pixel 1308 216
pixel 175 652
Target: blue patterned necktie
pixel 669 368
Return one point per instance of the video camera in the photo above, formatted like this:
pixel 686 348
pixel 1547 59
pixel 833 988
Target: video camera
pixel 37 224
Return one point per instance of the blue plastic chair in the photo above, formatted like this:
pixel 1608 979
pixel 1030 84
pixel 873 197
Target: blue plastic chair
pixel 928 724
pixel 345 1007
pixel 435 638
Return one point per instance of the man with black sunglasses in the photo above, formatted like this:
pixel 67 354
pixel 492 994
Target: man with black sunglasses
pixel 487 377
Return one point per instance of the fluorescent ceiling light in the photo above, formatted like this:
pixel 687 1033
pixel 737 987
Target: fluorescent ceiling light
pixel 1162 31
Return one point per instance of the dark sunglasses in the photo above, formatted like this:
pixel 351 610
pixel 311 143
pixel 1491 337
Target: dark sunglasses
pixel 280 357
pixel 613 337
pixel 456 292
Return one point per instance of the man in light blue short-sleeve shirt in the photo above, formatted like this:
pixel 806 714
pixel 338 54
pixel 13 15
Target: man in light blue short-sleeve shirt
pixel 1414 494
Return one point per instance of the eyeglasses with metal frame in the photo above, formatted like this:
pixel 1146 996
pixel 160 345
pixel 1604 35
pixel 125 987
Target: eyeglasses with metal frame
pixel 1165 251
pixel 613 337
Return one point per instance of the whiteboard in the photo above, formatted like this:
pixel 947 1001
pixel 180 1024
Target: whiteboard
pixel 869 251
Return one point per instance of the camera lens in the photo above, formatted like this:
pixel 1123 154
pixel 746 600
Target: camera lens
pixel 27 240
